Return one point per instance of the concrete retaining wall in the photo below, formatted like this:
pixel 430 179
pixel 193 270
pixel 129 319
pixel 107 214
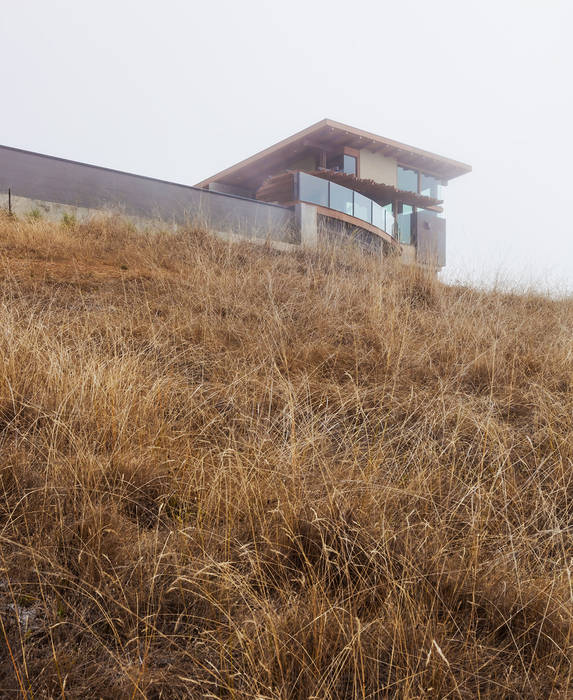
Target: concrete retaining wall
pixel 54 186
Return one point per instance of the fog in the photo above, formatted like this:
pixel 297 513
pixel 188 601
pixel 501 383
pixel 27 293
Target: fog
pixel 179 90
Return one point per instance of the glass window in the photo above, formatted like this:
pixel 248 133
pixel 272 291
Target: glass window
pixel 430 186
pixel 407 179
pixel 362 207
pixel 349 165
pixel 313 189
pixel 405 217
pixel 341 198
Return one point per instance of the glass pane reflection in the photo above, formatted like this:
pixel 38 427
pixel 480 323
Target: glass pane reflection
pixel 341 198
pixel 349 164
pixel 362 207
pixel 313 189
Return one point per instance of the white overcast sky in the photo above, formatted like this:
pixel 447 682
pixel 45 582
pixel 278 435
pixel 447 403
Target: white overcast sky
pixel 181 89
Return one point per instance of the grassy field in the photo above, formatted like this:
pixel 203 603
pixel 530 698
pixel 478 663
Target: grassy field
pixel 229 472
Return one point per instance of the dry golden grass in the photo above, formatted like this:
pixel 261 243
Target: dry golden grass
pixel 230 472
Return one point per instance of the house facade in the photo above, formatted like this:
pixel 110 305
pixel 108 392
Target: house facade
pixel 347 182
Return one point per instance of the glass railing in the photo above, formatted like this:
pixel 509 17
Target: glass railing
pixel 316 190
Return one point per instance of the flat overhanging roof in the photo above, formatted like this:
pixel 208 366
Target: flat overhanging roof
pixel 331 136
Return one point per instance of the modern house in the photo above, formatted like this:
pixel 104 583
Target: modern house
pixel 346 181
pixel 329 180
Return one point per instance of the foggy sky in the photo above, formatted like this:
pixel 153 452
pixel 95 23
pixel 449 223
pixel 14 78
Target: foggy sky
pixel 181 89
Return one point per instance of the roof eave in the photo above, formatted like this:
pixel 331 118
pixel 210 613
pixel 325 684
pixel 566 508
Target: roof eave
pixel 447 167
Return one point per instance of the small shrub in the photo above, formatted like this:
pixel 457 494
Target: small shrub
pixel 69 220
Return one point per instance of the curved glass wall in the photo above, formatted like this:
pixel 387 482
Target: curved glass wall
pixel 316 190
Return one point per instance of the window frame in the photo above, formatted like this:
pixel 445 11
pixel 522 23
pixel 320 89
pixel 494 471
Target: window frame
pixel 347 151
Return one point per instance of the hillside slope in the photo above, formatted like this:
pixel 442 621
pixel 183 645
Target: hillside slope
pixel 231 472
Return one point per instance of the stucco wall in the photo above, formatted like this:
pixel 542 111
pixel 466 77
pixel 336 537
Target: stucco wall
pixel 375 166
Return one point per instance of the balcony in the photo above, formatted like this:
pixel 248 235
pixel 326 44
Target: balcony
pixel 352 200
pixel 330 195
